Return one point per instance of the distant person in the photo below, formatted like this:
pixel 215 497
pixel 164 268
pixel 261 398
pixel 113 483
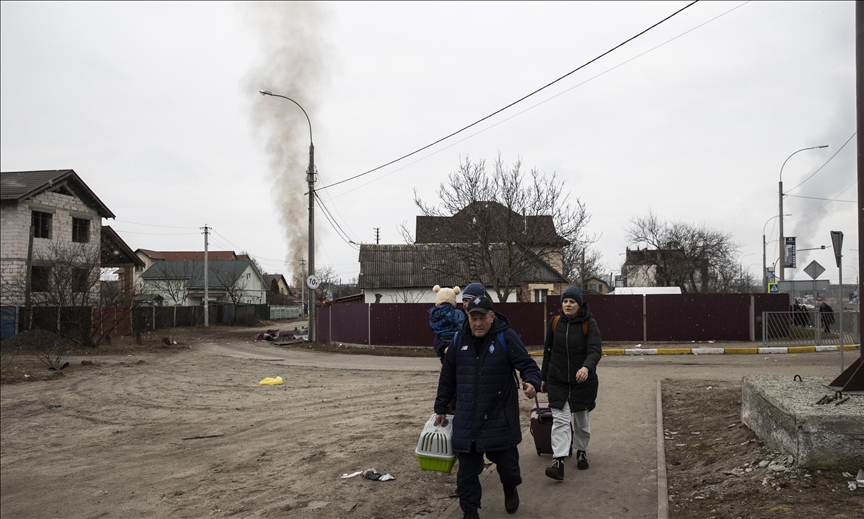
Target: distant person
pixel 444 318
pixel 800 314
pixel 479 371
pixel 569 374
pixel 827 315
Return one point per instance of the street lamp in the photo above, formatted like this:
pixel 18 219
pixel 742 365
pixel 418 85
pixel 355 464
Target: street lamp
pixel 310 178
pixel 782 244
pixel 764 266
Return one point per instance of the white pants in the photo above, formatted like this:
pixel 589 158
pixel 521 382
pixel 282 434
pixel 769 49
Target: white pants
pixel 561 431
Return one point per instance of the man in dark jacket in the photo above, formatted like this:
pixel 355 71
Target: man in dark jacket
pixel 569 375
pixel 827 314
pixel 478 370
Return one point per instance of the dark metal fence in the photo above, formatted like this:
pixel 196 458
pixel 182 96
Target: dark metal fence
pixel 73 321
pixel 658 318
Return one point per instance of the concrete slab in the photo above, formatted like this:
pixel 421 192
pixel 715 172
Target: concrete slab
pixel 784 413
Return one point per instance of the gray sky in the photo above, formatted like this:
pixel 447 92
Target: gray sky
pixel 155 106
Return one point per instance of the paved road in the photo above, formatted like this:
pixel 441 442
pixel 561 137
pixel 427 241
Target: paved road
pixel 623 478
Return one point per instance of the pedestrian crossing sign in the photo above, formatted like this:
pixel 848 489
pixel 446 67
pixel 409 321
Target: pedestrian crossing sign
pixel 773 288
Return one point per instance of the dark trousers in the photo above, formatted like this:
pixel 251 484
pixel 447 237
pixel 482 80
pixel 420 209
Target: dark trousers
pixel 471 463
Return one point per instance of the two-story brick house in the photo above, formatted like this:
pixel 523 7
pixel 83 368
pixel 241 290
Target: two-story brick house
pixel 52 235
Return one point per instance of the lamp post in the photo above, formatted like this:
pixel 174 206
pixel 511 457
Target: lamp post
pixel 764 265
pixel 310 178
pixel 782 244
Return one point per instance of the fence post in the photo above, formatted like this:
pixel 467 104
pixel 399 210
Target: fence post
pixel 752 319
pixel 644 318
pixel 817 317
pixel 154 317
pixel 765 325
pixel 369 324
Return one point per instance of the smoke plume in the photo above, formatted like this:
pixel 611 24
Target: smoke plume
pixel 293 51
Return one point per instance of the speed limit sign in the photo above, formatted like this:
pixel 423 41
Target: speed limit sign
pixel 313 282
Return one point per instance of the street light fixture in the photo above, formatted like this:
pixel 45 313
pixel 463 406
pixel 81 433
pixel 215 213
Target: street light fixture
pixel 310 178
pixel 764 266
pixel 782 243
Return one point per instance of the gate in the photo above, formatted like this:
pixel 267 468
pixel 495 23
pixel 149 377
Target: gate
pixel 806 329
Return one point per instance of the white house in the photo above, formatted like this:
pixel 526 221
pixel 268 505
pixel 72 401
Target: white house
pixel 180 282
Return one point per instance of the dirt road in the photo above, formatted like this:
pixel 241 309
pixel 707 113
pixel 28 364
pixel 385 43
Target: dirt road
pixel 192 434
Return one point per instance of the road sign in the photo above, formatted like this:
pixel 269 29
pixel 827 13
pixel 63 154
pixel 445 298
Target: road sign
pixel 837 241
pixel 773 288
pixel 814 270
pixel 313 282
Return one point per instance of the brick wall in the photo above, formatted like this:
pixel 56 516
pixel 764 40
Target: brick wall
pixel 15 218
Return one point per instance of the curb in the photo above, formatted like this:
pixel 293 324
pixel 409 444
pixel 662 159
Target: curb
pixel 719 351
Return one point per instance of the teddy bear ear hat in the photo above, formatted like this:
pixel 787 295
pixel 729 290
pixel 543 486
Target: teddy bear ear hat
pixel 456 290
pixel 436 288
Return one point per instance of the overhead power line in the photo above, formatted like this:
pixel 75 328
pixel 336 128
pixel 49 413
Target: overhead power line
pixel 539 103
pixel 823 165
pixel 333 223
pixel 496 112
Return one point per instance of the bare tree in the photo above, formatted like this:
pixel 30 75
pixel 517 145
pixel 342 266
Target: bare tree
pixel 254 261
pixel 67 294
pixel 341 289
pixel 503 222
pixel 692 257
pixel 581 263
pixel 229 277
pixel 329 280
pixel 174 280
pixel 406 296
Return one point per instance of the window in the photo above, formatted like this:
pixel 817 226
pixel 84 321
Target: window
pixel 41 225
pixel 80 230
pixel 40 279
pixel 540 295
pixel 79 280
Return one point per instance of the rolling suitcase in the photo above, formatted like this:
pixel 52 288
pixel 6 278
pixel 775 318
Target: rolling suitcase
pixel 541 428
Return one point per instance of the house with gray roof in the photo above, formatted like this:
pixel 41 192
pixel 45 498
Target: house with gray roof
pixel 180 282
pixel 521 255
pixel 407 273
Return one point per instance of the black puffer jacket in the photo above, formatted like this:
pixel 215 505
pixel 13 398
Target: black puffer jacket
pixel 567 350
pixel 482 381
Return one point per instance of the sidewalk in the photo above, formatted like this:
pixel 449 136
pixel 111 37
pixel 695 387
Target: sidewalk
pixel 627 477
pixel 732 348
pixel 622 480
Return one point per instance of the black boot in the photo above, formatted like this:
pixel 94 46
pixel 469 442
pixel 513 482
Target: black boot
pixel 581 460
pixel 470 514
pixel 556 469
pixel 511 499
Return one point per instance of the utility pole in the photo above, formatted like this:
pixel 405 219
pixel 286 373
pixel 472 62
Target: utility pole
pixel 377 235
pixel 302 286
pixel 310 177
pixel 206 281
